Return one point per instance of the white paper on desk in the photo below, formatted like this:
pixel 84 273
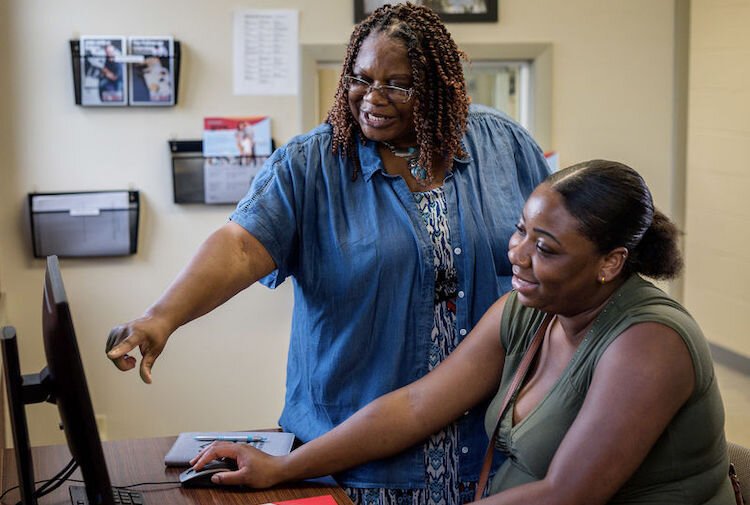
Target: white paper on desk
pixel 266 52
pixel 276 443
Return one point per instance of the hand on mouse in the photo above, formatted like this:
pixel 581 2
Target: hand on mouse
pixel 255 468
pixel 148 334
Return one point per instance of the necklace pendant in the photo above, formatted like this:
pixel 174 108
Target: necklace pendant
pixel 418 172
pixel 411 154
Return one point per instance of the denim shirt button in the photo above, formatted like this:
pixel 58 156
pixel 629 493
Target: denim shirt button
pixel 457 251
pixel 462 331
pixel 465 450
pixel 461 294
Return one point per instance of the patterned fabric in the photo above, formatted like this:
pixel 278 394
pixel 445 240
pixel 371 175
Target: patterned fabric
pixel 441 451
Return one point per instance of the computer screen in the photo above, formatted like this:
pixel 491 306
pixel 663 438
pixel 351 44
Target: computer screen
pixel 61 381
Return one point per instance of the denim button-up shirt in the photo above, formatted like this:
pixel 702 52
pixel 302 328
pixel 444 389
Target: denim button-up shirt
pixel 361 261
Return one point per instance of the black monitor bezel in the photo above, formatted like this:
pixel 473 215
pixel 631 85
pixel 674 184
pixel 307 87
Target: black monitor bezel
pixel 63 382
pixel 70 389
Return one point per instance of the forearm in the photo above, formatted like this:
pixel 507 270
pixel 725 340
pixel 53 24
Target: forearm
pixel 552 490
pixel 383 428
pixel 535 492
pixel 409 415
pixel 227 262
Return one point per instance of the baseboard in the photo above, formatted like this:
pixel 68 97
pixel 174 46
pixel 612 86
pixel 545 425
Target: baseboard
pixel 730 359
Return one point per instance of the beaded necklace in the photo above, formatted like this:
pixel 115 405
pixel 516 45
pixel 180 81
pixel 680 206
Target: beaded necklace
pixel 411 154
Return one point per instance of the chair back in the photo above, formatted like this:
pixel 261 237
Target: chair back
pixel 739 456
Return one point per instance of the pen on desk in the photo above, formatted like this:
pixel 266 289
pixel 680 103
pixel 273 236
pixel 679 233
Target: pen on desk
pixel 230 438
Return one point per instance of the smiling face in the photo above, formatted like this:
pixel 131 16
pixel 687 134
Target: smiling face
pixel 383 61
pixel 555 267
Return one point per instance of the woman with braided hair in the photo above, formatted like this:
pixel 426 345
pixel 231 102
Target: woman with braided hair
pixel 432 94
pixel 393 219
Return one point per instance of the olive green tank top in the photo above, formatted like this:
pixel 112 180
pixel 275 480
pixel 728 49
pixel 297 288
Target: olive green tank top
pixel 687 465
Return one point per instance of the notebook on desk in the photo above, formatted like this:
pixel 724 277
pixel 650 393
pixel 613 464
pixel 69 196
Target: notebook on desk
pixel 188 444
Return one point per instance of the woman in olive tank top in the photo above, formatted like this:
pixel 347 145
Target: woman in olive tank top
pixel 620 403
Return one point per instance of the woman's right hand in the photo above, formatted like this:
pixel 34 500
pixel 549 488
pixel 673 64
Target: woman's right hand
pixel 255 468
pixel 145 333
pixel 228 261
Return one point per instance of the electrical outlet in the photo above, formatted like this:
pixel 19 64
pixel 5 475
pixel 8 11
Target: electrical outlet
pixel 101 425
pixel 2 308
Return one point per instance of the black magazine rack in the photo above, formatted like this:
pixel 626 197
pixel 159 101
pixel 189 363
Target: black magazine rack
pixel 134 65
pixel 84 223
pixel 210 180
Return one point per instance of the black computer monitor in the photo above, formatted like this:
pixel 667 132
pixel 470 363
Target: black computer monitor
pixel 62 382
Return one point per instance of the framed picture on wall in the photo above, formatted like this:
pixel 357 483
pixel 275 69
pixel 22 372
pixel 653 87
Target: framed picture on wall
pixel 450 11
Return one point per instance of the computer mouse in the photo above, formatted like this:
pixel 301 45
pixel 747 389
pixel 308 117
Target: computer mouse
pixel 202 477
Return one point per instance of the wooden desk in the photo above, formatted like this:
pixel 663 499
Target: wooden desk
pixel 142 460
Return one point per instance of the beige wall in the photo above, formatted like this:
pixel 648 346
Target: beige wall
pixel 612 82
pixel 717 280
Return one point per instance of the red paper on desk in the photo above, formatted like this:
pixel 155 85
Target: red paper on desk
pixel 315 500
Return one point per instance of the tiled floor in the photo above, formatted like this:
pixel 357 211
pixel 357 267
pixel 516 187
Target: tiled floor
pixel 735 391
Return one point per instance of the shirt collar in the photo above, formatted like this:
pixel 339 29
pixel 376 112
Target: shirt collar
pixel 369 159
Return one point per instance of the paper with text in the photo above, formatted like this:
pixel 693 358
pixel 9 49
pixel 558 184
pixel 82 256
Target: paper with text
pixel 266 52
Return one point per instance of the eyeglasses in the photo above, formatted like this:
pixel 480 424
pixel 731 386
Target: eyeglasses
pixel 394 94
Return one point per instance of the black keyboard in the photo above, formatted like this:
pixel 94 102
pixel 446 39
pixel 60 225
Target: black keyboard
pixel 121 496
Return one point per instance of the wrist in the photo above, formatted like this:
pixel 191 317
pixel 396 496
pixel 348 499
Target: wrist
pixel 159 321
pixel 284 469
pixel 291 467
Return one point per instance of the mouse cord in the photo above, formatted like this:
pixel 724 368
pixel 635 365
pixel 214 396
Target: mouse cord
pixel 58 480
pixel 128 486
pixel 48 485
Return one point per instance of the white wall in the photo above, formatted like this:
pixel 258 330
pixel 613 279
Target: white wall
pixel 612 88
pixel 717 279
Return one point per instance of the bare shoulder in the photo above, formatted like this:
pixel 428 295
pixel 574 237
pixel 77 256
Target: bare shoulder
pixel 649 340
pixel 649 353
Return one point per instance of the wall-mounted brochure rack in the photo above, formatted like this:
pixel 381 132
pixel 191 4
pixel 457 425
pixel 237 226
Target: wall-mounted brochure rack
pixel 112 71
pixel 84 223
pixel 210 180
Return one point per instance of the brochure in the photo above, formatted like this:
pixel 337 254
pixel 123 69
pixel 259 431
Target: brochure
pixel 189 443
pixel 237 136
pixel 152 82
pixel 226 180
pixel 103 74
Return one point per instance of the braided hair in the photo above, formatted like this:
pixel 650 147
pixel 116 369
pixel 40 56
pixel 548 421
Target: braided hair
pixel 441 104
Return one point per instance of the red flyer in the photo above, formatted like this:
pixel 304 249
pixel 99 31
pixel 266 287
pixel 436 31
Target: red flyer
pixel 315 500
pixel 237 136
